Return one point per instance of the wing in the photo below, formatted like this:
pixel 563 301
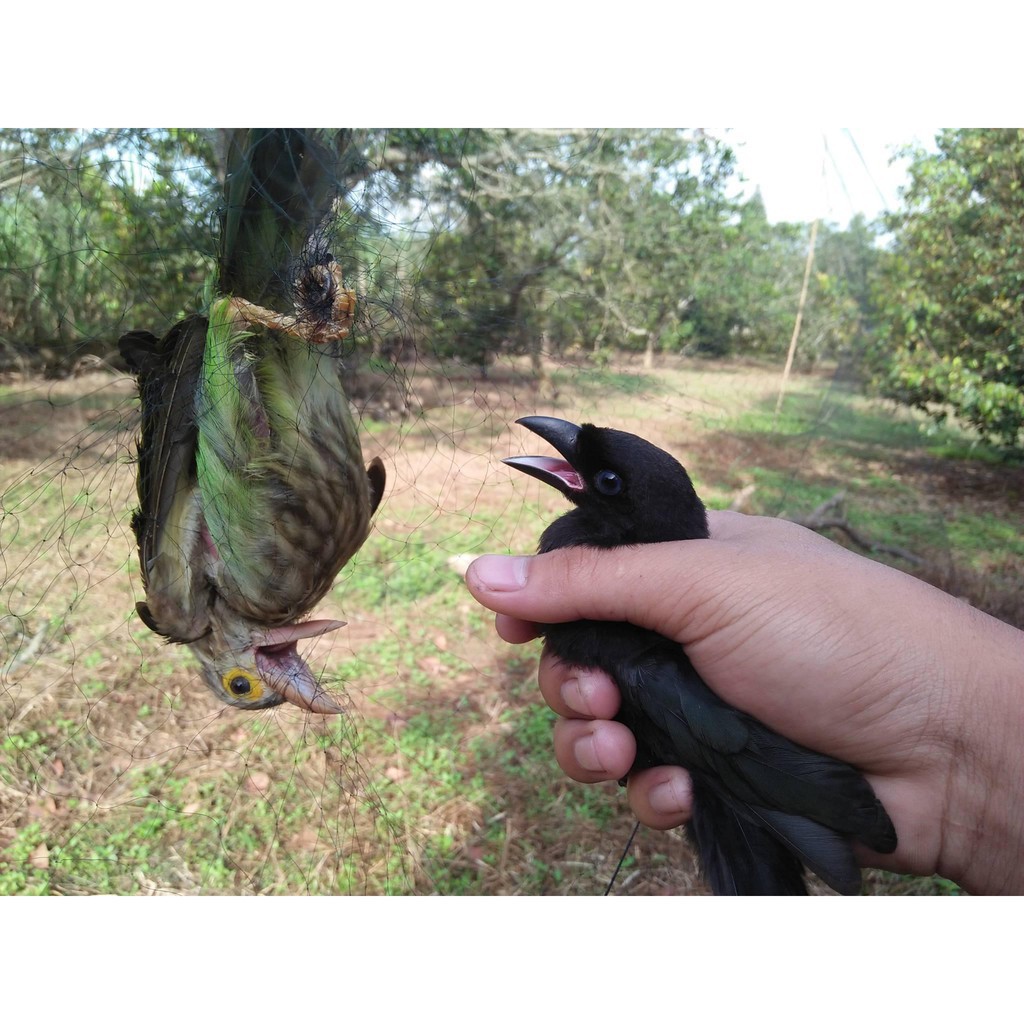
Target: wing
pixel 168 522
pixel 377 477
pixel 752 763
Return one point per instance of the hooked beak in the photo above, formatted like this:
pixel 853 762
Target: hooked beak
pixel 283 669
pixel 559 473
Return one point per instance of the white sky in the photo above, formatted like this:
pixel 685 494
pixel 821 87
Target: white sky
pixel 805 173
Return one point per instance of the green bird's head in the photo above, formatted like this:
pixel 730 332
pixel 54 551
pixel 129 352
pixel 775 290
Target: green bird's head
pixel 251 667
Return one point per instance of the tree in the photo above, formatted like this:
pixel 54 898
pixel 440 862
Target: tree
pixel 470 243
pixel 955 338
pixel 93 224
pixel 574 239
pixel 841 317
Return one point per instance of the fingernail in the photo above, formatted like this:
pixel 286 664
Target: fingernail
pixel 585 751
pixel 500 572
pixel 577 693
pixel 669 797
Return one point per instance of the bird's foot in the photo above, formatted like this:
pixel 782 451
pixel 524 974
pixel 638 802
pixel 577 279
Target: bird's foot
pixel 323 308
pixel 249 314
pixel 323 304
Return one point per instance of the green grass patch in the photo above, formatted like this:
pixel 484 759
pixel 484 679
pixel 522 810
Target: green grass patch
pixel 597 380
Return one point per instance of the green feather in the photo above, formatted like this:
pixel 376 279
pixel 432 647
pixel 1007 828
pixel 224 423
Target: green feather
pixel 228 443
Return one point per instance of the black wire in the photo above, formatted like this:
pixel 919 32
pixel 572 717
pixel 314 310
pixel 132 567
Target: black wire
pixel 622 859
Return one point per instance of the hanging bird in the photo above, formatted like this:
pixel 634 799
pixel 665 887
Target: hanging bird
pixel 251 483
pixel 764 807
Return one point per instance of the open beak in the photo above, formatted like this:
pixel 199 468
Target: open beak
pixel 559 473
pixel 283 669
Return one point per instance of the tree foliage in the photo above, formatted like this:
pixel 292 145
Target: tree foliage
pixel 953 290
pixel 474 244
pixel 107 227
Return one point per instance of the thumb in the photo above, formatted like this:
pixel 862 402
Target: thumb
pixel 640 585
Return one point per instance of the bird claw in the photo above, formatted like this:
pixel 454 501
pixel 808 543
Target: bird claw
pixel 323 304
pixel 319 318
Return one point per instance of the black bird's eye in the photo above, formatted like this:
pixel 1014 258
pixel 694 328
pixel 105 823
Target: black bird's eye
pixel 608 483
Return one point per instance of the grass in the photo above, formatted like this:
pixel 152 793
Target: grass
pixel 598 381
pixel 118 774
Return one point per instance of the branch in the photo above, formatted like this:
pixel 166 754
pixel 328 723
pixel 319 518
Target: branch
pixel 826 517
pixel 27 166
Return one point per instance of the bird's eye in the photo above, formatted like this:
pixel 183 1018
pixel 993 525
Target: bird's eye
pixel 241 685
pixel 608 483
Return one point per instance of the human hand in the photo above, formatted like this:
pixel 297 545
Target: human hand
pixel 844 655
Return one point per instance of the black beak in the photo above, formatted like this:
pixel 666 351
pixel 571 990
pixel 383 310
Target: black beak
pixel 560 473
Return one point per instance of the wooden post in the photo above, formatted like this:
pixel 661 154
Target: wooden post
pixel 796 326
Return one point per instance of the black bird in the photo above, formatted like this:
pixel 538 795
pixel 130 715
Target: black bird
pixel 764 807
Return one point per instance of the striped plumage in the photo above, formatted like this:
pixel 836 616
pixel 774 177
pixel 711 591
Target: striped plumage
pixel 279 448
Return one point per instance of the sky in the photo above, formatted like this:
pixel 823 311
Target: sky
pixel 831 173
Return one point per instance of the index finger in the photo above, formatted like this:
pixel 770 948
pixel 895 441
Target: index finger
pixel 515 631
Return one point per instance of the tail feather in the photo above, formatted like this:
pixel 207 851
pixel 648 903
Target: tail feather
pixel 738 857
pixel 828 854
pixel 279 185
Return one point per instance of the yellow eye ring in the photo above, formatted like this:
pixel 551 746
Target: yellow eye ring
pixel 241 685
